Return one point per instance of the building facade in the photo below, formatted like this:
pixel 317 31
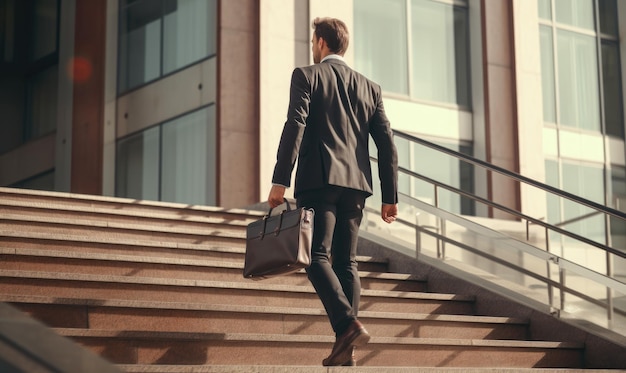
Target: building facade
pixel 184 100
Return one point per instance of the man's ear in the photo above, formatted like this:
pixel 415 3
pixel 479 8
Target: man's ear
pixel 321 43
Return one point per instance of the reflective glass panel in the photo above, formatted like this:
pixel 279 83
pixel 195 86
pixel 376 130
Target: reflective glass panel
pixel 579 100
pixel 612 85
pixel 578 13
pixel 447 170
pixel 137 166
pixel 608 17
pixel 188 159
pixel 618 202
pixel 545 10
pixel 581 219
pixel 44 28
pixel 440 52
pixel 547 74
pixel 188 33
pixel 41 116
pixel 140 43
pixel 380 45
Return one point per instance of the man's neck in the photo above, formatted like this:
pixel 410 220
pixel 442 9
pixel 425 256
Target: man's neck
pixel 332 56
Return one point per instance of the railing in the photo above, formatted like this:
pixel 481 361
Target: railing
pixel 557 269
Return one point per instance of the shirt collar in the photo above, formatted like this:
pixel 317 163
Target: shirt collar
pixel 332 56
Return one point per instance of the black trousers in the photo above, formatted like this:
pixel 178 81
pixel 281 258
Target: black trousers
pixel 333 271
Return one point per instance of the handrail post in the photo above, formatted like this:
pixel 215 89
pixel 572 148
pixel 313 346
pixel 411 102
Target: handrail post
pixel 609 268
pixel 418 237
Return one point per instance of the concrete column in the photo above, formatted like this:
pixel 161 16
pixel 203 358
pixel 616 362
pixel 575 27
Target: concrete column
pixel 238 103
pixel 87 73
pixel 529 103
pixel 285 43
pixel 499 82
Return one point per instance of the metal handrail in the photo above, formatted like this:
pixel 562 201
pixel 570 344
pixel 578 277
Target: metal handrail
pixel 518 177
pixel 441 260
pixel 520 215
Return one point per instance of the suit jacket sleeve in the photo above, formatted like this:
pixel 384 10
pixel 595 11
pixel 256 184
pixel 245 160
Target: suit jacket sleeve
pixel 289 146
pixel 380 130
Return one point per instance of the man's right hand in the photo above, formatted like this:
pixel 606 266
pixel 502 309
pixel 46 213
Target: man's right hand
pixel 389 213
pixel 276 196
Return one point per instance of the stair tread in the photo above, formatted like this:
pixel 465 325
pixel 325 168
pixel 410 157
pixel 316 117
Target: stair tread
pixel 158 368
pixel 152 304
pixel 174 261
pixel 251 285
pixel 13 193
pixel 111 240
pixel 126 226
pixel 186 306
pixel 96 211
pixel 294 338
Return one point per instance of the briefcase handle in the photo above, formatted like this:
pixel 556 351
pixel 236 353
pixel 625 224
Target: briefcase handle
pixel 280 222
pixel 288 207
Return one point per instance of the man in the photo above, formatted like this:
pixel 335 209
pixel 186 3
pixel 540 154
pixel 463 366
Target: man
pixel 332 112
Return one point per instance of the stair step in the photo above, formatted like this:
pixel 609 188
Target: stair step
pixel 72 285
pixel 167 267
pixel 103 215
pixel 214 250
pixel 145 368
pixel 141 347
pixel 190 317
pixel 123 206
pixel 224 235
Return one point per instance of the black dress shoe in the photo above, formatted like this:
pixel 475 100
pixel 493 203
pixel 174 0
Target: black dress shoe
pixel 354 336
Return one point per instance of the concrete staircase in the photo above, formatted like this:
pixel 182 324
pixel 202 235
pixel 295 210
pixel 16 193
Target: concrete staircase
pixel 158 287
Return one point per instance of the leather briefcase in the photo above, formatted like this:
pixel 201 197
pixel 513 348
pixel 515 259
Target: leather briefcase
pixel 280 244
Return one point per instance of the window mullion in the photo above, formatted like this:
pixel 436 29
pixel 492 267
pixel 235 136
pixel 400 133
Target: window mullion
pixel 409 43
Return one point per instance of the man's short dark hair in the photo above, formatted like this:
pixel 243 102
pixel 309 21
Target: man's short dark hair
pixel 334 32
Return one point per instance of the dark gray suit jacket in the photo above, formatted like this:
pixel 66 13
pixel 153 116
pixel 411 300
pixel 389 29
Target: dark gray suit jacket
pixel 332 112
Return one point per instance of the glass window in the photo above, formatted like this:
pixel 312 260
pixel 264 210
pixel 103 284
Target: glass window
pixel 441 74
pixel 579 99
pixel 612 85
pixel 140 43
pixel 45 27
pixel 579 69
pixel 572 216
pixel 187 174
pixel 547 74
pixel 576 181
pixel 448 170
pixel 433 44
pixel 137 165
pixel 158 37
pixel 381 31
pixel 188 33
pixel 545 10
pixel 173 162
pixel 41 115
pixel 618 202
pixel 608 17
pixel 578 13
